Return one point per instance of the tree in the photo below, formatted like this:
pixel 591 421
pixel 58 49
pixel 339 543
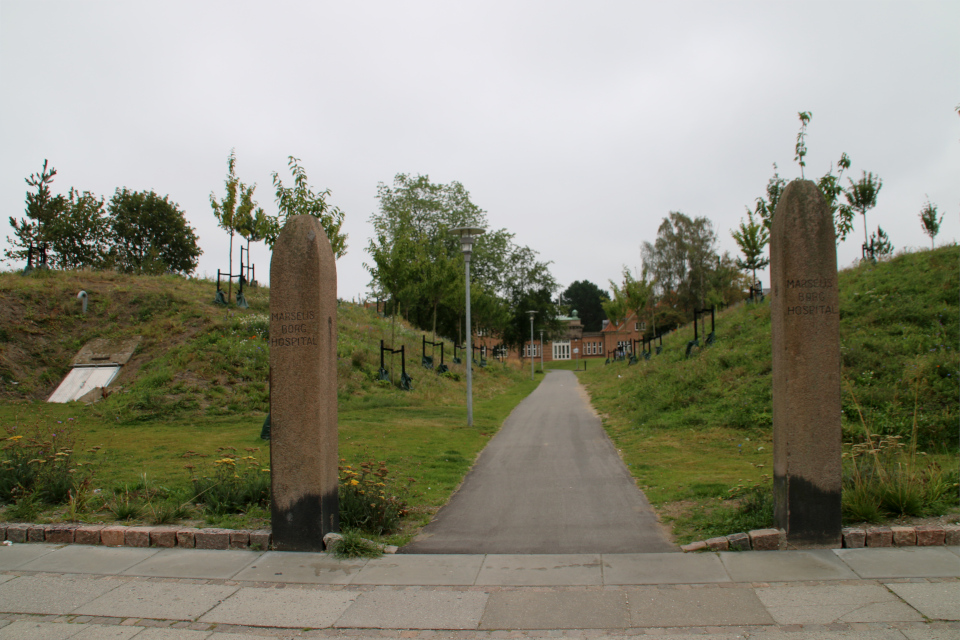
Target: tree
pixel 32 233
pixel 681 258
pixel 150 234
pixel 829 185
pixel 79 235
pixel 301 200
pixel 765 208
pixel 862 196
pixel 234 209
pixel 800 150
pixel 587 298
pixel 929 221
pixel 880 245
pixel 752 238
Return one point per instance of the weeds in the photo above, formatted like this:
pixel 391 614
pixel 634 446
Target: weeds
pixel 38 466
pixel 231 483
pixel 885 478
pixel 352 545
pixel 365 500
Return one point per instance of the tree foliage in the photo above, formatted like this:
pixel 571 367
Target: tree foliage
pixel 752 237
pixel 587 298
pixel 930 222
pixel 235 210
pixel 150 234
pixel 862 196
pixel 417 264
pixel 33 233
pixel 79 236
pixel 300 199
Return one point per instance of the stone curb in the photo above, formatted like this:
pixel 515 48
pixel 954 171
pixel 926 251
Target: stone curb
pixel 136 536
pixel 853 538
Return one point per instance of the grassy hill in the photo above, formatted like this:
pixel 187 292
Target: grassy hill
pixel 198 383
pixel 698 430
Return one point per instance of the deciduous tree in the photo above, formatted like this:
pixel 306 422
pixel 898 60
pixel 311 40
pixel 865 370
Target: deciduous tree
pixel 752 237
pixel 930 222
pixel 150 234
pixel 300 199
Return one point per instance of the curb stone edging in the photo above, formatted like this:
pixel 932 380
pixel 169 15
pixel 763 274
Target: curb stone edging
pixel 853 538
pixel 261 539
pixel 137 536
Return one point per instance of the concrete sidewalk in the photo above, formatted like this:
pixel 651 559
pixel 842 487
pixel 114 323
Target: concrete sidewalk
pixel 86 592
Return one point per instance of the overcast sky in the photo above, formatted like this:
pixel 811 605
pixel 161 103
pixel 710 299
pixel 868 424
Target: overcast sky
pixel 577 126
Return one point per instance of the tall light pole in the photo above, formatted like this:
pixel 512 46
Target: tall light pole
pixel 467 235
pixel 532 359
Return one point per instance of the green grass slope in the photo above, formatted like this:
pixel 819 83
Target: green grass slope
pixel 700 429
pixel 198 382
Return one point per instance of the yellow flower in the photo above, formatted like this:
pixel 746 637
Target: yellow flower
pixel 353 482
pixel 14 438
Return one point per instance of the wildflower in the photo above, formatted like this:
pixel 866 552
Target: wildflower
pixel 353 482
pixel 14 438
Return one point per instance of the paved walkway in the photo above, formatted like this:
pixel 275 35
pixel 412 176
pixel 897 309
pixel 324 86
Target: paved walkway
pixel 550 481
pixel 50 592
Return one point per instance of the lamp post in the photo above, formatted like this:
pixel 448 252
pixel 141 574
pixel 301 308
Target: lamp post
pixel 541 350
pixel 532 359
pixel 467 235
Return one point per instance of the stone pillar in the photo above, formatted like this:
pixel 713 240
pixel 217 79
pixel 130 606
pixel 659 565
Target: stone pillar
pixel 806 369
pixel 303 390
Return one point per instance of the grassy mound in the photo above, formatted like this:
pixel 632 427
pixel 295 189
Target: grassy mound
pixel 699 429
pixel 196 390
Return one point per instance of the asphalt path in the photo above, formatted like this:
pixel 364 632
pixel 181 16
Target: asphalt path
pixel 550 481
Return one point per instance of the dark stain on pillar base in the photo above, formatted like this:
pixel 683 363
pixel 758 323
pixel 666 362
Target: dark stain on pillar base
pixel 810 516
pixel 302 526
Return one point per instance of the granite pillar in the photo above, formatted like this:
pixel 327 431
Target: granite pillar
pixel 806 369
pixel 303 389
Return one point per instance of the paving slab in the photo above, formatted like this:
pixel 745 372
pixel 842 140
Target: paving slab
pixel 174 634
pixel 541 570
pixel 17 555
pixel 34 630
pixel 164 600
pixel 903 562
pixel 193 563
pixel 937 601
pixel 931 634
pixel 829 604
pixel 6 576
pixel 784 566
pixel 421 569
pixel 415 609
pixel 106 632
pixel 705 606
pixel 301 567
pixel 291 608
pixel 529 609
pixel 663 568
pixel 81 558
pixel 52 594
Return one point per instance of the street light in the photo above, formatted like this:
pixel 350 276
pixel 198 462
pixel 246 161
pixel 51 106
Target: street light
pixel 467 235
pixel 532 359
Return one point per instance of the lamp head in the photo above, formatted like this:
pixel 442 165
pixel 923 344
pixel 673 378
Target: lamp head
pixel 467 235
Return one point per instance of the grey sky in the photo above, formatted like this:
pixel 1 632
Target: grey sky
pixel 576 126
